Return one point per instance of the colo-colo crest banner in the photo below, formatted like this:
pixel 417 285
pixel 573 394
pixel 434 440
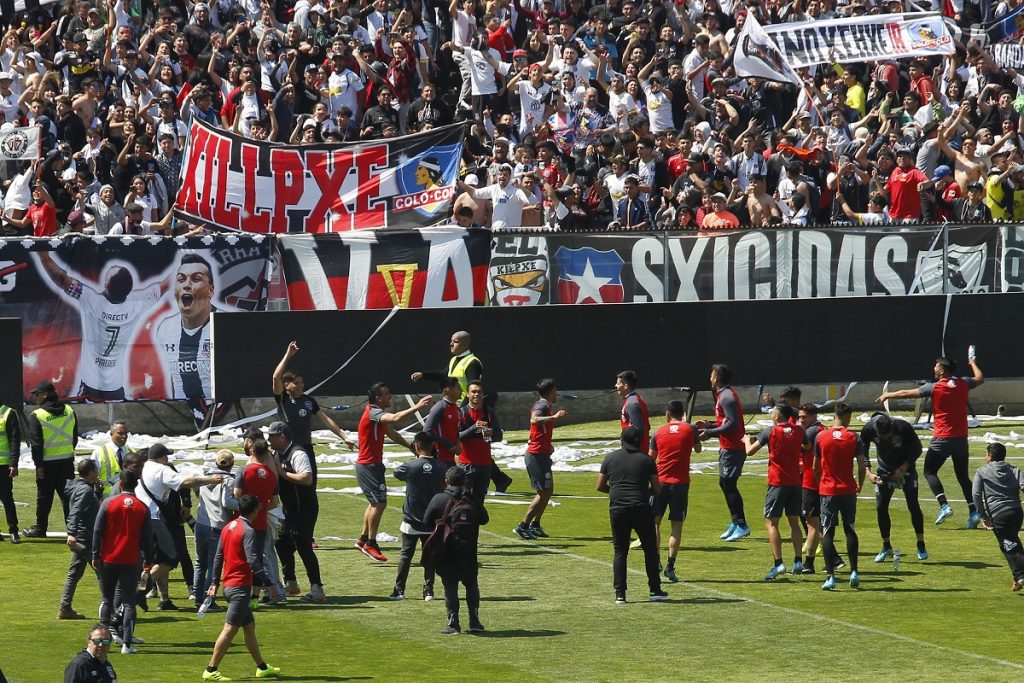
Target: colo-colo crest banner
pixel 128 318
pixel 751 264
pixel 862 39
pixel 234 182
pixel 428 268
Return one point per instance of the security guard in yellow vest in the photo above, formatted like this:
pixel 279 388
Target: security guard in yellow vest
pixel 466 367
pixel 10 449
pixel 463 366
pixel 109 457
pixel 53 435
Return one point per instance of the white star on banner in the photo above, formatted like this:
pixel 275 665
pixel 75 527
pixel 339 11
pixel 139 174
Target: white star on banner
pixel 589 284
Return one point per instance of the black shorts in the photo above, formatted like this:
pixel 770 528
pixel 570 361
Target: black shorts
pixel 164 550
pixel 832 507
pixel 779 500
pixel 675 497
pixel 538 467
pixel 940 450
pixel 811 503
pixel 730 463
pixel 371 481
pixel 239 611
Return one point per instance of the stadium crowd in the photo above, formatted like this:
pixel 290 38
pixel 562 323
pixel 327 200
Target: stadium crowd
pixel 579 113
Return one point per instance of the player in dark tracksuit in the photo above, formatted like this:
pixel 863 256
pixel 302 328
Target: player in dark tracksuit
pixel 898 450
pixel 424 479
pixel 460 561
pixel 996 492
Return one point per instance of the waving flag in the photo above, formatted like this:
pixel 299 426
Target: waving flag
pixel 756 54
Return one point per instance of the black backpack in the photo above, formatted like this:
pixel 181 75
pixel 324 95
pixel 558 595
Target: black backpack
pixel 458 516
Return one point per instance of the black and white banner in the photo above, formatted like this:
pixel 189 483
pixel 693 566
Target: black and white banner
pixel 756 54
pixel 1008 55
pixel 862 39
pixel 20 144
pixel 754 264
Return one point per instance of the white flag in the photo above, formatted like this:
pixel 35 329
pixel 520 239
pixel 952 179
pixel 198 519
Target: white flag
pixel 756 54
pixel 20 144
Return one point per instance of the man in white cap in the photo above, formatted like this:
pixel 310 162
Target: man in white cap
pixel 466 200
pixel 8 99
pixel 507 200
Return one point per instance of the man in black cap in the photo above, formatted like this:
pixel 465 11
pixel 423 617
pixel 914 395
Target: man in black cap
pixel 52 435
pixel 631 479
pixel 77 64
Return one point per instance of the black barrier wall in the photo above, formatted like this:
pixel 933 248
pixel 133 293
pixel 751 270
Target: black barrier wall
pixel 10 368
pixel 583 347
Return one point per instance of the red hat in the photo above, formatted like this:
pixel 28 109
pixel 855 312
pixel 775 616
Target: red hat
pixel 519 53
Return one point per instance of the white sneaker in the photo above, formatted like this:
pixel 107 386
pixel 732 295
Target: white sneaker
pixel 117 639
pixel 316 594
pixel 128 650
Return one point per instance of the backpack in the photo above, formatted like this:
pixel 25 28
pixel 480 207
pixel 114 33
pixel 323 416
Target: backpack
pixel 458 514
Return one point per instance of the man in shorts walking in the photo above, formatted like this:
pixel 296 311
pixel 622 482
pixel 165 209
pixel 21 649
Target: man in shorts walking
pixel 785 446
pixel 239 563
pixel 373 426
pixel 538 458
pixel 671 447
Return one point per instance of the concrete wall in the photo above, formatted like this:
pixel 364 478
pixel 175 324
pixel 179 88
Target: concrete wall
pixel 173 417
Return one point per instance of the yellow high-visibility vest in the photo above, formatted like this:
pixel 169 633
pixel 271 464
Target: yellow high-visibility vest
pixel 58 433
pixel 109 467
pixel 457 369
pixel 5 443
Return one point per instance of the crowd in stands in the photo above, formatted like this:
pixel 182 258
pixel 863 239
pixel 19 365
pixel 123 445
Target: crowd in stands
pixel 622 114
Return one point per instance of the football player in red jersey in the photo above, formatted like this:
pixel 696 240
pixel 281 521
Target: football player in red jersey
pixel 671 446
pixel 732 449
pixel 835 450
pixel 949 435
pixel 538 458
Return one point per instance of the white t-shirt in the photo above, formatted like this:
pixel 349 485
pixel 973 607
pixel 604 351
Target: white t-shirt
pixel 507 204
pixel 531 101
pixel 342 88
pixel 108 330
pixel 620 104
pixel 659 109
pixel 482 73
pixel 160 480
pixel 581 69
pixel 176 127
pixel 616 186
pixel 463 29
pixel 187 357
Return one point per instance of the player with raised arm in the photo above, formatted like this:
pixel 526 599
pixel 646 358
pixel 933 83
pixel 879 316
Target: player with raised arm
pixel 538 458
pixel 110 318
pixel 732 449
pixel 949 430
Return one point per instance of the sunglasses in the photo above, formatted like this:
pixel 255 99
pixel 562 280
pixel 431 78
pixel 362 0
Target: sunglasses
pixel 101 641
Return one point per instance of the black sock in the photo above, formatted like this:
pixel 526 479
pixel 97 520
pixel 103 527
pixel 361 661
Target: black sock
pixel 886 545
pixel 941 499
pixel 809 562
pixel 364 538
pixel 973 509
pixel 671 563
pixel 261 666
pixel 920 546
pixel 778 562
pixel 211 669
pixel 796 560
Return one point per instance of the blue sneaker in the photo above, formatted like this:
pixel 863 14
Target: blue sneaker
pixel 798 568
pixel 671 575
pixel 740 532
pixel 944 512
pixel 729 531
pixel 973 520
pixel 775 571
pixel 854 579
pixel 830 584
pixel 884 555
pixel 922 554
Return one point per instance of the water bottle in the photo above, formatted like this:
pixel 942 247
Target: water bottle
pixel 144 580
pixel 201 612
pixel 970 352
pixel 896 561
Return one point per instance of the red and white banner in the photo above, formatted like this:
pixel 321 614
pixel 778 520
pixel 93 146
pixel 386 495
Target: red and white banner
pixel 233 182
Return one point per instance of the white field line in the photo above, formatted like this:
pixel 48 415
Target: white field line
pixel 779 608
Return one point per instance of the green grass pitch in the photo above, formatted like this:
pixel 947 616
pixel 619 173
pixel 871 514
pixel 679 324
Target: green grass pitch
pixel 548 605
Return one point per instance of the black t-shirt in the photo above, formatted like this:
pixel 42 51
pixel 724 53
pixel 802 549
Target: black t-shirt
pixel 629 478
pixel 903 445
pixel 298 413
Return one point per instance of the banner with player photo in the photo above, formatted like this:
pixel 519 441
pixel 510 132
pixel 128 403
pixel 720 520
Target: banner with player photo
pixel 750 264
pixel 242 184
pixel 127 318
pixel 862 39
pixel 427 268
